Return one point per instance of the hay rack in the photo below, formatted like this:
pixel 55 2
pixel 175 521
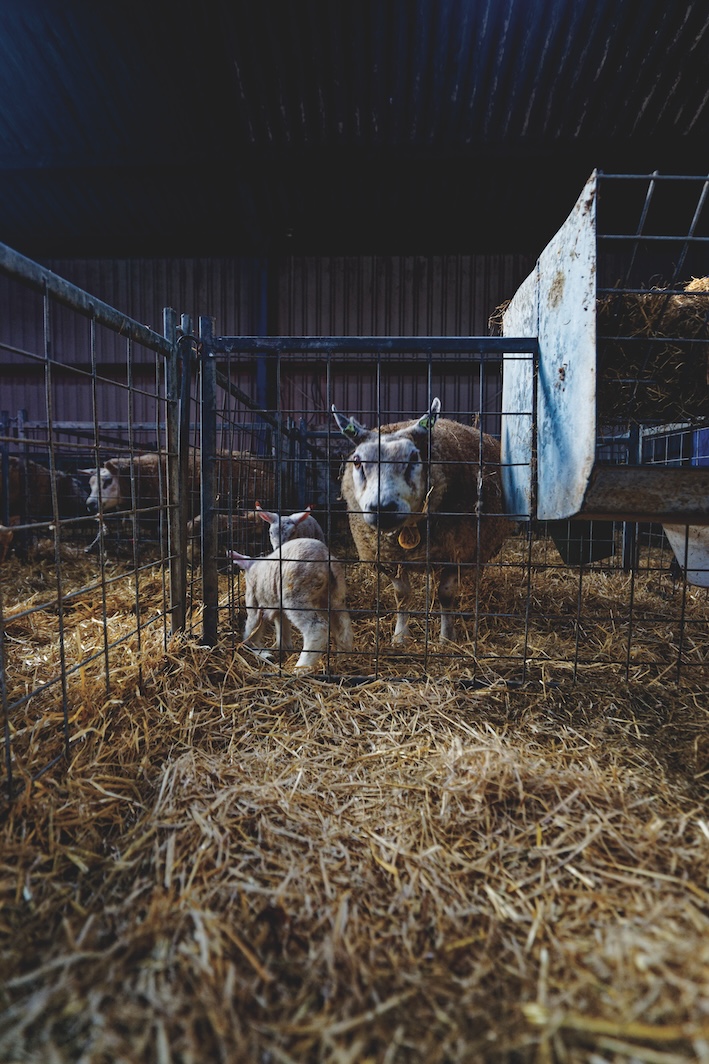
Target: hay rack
pixel 619 302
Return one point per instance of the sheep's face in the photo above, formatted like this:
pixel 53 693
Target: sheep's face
pixel 104 484
pixel 281 531
pixel 389 479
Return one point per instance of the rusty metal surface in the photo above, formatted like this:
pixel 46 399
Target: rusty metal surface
pixel 648 493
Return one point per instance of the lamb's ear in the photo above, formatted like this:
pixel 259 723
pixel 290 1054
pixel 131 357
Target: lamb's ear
pixel 265 515
pixel 242 560
pixel 349 427
pixel 424 425
pixel 297 518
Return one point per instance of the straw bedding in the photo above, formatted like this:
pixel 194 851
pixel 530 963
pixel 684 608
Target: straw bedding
pixel 241 866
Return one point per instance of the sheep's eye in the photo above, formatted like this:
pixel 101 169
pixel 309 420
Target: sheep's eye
pixel 357 461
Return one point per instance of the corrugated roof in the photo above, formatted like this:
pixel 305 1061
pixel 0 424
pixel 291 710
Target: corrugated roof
pixel 236 127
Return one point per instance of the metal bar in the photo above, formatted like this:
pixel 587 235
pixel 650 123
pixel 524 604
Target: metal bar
pixel 57 529
pixel 177 528
pixel 208 408
pixel 78 428
pixel 690 235
pixel 134 504
pixel 639 230
pixel 645 238
pixel 236 393
pixel 5 467
pixel 101 522
pixel 480 345
pixel 654 177
pixel 650 291
pixel 44 281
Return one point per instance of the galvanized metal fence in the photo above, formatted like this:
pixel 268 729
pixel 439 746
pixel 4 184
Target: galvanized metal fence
pixel 88 595
pixel 380 380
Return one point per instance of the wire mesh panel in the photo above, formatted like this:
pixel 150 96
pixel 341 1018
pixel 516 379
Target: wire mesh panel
pixel 86 543
pixel 376 382
pixel 653 339
pixel 544 601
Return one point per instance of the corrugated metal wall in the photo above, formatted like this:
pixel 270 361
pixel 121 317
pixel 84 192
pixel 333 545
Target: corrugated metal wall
pixel 363 295
pixel 451 295
pixel 446 295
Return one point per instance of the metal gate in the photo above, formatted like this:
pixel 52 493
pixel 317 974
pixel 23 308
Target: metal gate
pixel 378 379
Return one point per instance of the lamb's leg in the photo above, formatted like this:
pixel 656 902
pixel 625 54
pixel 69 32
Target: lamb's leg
pixel 314 629
pixel 341 626
pixel 254 632
pixel 402 594
pixel 448 592
pixel 254 625
pixel 94 544
pixel 284 632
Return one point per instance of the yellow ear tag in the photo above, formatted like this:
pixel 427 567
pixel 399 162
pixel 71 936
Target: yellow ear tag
pixel 409 537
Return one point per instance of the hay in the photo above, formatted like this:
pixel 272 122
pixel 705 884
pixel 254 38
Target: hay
pixel 642 379
pixel 244 866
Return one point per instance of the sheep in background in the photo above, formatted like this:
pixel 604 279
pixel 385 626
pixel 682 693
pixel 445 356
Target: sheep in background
pixel 6 536
pixel 299 584
pixel 30 491
pixel 423 494
pixel 283 529
pixel 29 498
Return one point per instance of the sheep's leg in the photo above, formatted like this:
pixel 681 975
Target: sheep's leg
pixel 314 629
pixel 254 631
pixel 402 594
pixel 341 626
pixel 448 592
pixel 284 632
pixel 254 625
pixel 94 544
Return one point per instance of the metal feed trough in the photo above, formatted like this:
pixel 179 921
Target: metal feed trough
pixel 619 301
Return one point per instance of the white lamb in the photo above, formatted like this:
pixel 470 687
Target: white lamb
pixel 282 529
pixel 298 584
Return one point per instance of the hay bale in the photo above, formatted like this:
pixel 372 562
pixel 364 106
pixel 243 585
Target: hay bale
pixel 642 378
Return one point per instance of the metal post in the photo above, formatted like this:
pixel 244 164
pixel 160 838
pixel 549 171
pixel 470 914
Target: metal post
pixel 303 463
pixel 176 525
pixel 208 417
pixel 630 528
pixel 5 467
pixel 188 503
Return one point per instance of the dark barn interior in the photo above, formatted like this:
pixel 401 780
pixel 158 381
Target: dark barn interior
pixel 478 830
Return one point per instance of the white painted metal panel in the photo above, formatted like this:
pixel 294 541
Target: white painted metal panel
pixel 556 303
pixel 520 319
pixel 691 549
pixel 566 398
